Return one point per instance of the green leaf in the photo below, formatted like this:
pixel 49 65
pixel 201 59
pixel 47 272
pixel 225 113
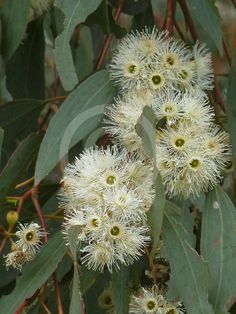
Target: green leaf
pixel 156 213
pixel 84 54
pixel 18 162
pixel 231 110
pixel 188 270
pixel 76 118
pixel 14 16
pixel 76 305
pixel 76 12
pixel 35 273
pixel 120 284
pixel 218 243
pixel 1 141
pixel 25 69
pixel 146 129
pixel 18 125
pixel 205 12
pixel 87 279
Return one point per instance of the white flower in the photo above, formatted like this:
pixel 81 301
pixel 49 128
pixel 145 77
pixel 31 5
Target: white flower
pixel 152 301
pixel 150 59
pixel 203 63
pixel 112 226
pixel 123 117
pixel 196 109
pixel 30 237
pixel 168 105
pixel 17 257
pixel 97 171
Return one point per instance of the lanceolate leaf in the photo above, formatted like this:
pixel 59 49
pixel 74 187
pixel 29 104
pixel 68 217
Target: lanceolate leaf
pixel 205 13
pixel 35 274
pixel 76 11
pixel 156 213
pixel 120 284
pixel 18 125
pixel 18 162
pixel 188 270
pixel 76 118
pixel 218 244
pixel 14 18
pixel 146 129
pixel 28 59
pixel 76 304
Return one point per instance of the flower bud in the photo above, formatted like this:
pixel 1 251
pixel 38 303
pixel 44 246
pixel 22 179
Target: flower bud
pixel 12 217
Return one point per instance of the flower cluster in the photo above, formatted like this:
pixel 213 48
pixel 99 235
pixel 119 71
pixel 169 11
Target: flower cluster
pixel 152 301
pixel 106 194
pixel 192 152
pixel 25 248
pixel 150 60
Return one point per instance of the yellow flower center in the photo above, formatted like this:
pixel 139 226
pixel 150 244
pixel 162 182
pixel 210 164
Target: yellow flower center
pixel 115 231
pixel 170 60
pixel 194 163
pixel 151 305
pixel 180 142
pixel 29 236
pixel 111 180
pixel 132 68
pixel 156 79
pixel 94 222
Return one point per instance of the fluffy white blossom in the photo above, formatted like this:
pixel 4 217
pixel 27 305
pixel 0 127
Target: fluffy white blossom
pixel 17 257
pixel 152 301
pixel 30 237
pixel 105 194
pixel 152 60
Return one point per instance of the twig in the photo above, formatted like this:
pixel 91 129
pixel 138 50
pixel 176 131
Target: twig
pixel 188 19
pixel 170 15
pixel 109 38
pixel 24 183
pixel 18 209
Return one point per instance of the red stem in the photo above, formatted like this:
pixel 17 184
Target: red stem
pixel 170 14
pixel 109 37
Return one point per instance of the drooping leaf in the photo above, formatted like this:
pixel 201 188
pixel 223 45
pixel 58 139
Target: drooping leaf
pixel 18 162
pixel 218 243
pixel 76 304
pixel 146 129
pixel 14 16
pixel 76 11
pixel 35 273
pixel 25 69
pixel 120 284
pixel 20 124
pixel 75 119
pixel 188 270
pixel 83 55
pixel 156 213
pixel 205 12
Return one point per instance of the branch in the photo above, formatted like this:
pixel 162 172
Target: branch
pixel 170 15
pixel 108 39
